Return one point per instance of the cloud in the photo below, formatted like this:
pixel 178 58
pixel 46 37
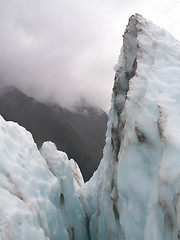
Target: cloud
pixel 63 50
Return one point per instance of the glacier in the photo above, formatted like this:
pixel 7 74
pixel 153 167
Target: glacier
pixel 135 192
pixel 137 195
pixel 38 199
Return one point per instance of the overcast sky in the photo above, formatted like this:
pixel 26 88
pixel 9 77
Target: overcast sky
pixel 65 50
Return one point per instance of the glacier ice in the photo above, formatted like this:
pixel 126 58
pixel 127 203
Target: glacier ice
pixel 134 195
pixel 135 192
pixel 37 195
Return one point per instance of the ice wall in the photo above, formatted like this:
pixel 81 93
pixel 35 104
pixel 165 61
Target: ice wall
pixel 134 195
pixel 37 195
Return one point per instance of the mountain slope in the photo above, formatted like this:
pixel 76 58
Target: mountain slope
pixel 80 134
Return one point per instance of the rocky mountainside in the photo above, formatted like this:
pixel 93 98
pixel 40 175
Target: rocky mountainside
pixel 81 134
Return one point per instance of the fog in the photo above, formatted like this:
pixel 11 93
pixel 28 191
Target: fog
pixel 63 51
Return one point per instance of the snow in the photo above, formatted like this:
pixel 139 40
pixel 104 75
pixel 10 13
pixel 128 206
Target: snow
pixel 135 192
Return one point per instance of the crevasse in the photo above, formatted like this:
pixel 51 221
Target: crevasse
pixel 134 194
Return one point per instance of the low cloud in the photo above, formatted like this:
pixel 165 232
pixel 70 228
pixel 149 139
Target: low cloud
pixel 62 51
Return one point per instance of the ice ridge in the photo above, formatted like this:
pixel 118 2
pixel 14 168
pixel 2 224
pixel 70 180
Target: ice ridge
pixel 137 195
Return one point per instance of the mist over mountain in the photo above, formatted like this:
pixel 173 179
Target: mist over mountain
pixel 81 133
pixel 135 192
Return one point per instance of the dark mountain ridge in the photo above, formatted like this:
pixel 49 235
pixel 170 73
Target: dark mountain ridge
pixel 81 134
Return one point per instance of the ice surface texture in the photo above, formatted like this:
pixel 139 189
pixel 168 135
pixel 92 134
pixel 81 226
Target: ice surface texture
pixel 135 193
pixel 37 194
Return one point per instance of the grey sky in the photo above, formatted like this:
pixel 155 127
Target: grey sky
pixel 64 50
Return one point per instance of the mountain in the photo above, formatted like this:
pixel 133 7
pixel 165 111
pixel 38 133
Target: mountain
pixel 135 192
pixel 81 134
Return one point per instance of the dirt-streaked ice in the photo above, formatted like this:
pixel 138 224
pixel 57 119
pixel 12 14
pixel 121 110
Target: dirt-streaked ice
pixel 134 195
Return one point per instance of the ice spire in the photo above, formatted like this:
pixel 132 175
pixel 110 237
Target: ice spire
pixel 137 183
